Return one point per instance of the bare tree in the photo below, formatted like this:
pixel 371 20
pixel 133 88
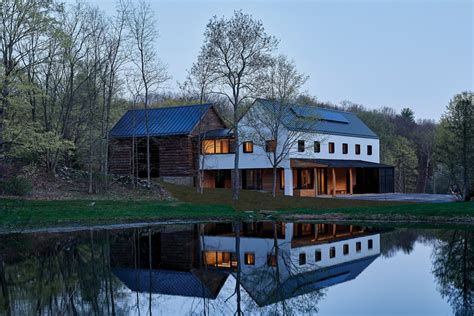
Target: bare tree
pixel 142 27
pixel 267 123
pixel 237 51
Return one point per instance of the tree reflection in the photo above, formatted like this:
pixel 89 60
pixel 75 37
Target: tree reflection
pixel 453 267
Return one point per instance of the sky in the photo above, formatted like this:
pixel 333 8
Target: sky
pixel 396 53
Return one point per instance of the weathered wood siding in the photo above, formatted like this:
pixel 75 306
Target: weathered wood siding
pixel 176 156
pixel 120 156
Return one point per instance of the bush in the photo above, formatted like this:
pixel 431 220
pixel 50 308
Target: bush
pixel 16 186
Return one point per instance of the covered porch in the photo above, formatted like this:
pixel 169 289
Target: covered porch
pixel 315 177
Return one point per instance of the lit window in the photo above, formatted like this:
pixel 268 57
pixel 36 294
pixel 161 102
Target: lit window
pixel 332 252
pixel 220 259
pixel 345 148
pixel 249 258
pixel 282 179
pixel 318 255
pixel 272 260
pixel 317 147
pixel 331 148
pixel 301 146
pixel 369 150
pixel 208 147
pixel 370 244
pixel 248 147
pixel 345 249
pixel 302 259
pixel 358 246
pixel 357 149
pixel 270 146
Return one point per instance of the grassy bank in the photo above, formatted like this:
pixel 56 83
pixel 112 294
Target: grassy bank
pixel 217 204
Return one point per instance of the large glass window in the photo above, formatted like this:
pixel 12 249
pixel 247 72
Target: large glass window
pixel 304 179
pixel 220 259
pixel 215 146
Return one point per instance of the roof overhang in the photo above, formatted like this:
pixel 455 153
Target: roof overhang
pixel 334 163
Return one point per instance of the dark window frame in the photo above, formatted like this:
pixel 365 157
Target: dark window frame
pixel 317 147
pixel 345 249
pixel 358 246
pixel 302 258
pixel 247 256
pixel 318 255
pixel 345 148
pixel 332 252
pixel 301 146
pixel 270 146
pixel 331 147
pixel 357 149
pixel 370 244
pixel 369 150
pixel 245 150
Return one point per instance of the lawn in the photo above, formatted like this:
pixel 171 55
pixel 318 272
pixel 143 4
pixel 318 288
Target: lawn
pixel 18 214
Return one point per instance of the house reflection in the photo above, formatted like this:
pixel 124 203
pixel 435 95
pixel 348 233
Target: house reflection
pixel 278 261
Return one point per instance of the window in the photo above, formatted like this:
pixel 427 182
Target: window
pixel 302 259
pixel 358 246
pixel 272 260
pixel 345 148
pixel 304 179
pixel 282 179
pixel 270 146
pixel 215 146
pixel 221 259
pixel 317 255
pixel 317 147
pixel 301 146
pixel 345 249
pixel 332 252
pixel 248 147
pixel 369 150
pixel 370 244
pixel 331 148
pixel 249 258
pixel 357 149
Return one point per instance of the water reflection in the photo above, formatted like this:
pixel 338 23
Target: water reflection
pixel 216 268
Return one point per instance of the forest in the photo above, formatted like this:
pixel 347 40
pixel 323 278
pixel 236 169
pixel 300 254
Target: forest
pixel 69 72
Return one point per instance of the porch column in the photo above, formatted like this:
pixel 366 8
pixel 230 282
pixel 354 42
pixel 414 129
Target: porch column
pixel 351 182
pixel 288 181
pixel 333 181
pixel 315 182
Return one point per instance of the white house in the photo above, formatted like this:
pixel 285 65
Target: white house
pixel 335 153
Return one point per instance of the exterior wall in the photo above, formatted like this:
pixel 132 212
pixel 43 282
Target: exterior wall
pixel 210 121
pixel 176 156
pixel 120 156
pixel 259 160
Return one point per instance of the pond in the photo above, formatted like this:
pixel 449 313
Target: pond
pixel 226 268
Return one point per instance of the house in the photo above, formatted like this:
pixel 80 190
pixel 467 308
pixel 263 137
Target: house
pixel 336 154
pixel 172 131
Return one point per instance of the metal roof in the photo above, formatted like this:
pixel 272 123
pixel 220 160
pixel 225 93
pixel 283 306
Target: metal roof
pixel 217 133
pixel 168 121
pixel 182 283
pixel 314 119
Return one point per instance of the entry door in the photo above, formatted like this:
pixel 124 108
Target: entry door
pixel 220 179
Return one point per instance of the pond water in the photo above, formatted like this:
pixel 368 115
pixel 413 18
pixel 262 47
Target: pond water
pixel 248 268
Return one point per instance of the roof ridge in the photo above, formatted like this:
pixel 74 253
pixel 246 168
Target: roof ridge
pixel 174 107
pixel 307 105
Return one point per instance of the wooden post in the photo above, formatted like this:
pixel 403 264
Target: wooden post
pixel 351 183
pixel 334 181
pixel 315 182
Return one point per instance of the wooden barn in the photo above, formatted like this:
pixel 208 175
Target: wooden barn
pixel 173 132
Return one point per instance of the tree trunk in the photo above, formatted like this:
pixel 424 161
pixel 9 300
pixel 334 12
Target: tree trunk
pixel 274 181
pixel 236 179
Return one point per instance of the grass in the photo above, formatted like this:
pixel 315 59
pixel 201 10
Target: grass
pixel 218 204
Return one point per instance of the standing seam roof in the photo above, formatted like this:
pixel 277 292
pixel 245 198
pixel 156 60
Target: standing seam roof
pixel 179 120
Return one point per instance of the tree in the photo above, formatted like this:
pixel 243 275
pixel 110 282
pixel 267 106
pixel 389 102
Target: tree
pixel 142 29
pixel 456 137
pixel 265 124
pixel 237 51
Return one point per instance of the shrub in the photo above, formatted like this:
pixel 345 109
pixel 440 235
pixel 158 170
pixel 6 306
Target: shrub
pixel 16 186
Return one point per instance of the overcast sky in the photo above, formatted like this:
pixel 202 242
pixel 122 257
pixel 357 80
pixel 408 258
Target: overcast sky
pixel 395 53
